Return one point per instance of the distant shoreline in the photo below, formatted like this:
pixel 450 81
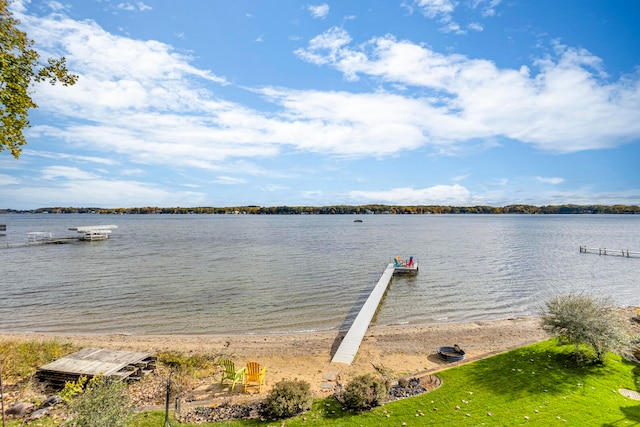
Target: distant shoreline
pixel 369 209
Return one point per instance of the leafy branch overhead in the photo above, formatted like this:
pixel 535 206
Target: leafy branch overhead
pixel 20 68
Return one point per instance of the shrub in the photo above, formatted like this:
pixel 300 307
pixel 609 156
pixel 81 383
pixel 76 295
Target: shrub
pixel 288 398
pixel 364 392
pixel 73 388
pixel 105 402
pixel 583 319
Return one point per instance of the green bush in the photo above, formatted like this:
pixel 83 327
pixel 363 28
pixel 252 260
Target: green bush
pixel 288 398
pixel 364 392
pixel 73 388
pixel 105 402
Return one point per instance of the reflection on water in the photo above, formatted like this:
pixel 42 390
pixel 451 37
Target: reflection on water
pixel 207 274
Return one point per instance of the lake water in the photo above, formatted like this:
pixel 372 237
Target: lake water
pixel 218 274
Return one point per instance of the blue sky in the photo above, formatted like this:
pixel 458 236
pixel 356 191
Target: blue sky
pixel 226 103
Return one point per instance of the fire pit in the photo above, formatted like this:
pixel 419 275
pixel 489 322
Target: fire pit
pixel 451 354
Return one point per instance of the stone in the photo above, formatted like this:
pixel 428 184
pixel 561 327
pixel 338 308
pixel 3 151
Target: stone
pixel 38 414
pixel 53 400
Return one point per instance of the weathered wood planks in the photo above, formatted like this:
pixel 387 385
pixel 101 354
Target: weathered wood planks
pixel 90 362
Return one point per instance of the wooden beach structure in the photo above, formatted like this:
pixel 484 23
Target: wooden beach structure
pixel 3 229
pixel 89 362
pixel 351 342
pixel 605 251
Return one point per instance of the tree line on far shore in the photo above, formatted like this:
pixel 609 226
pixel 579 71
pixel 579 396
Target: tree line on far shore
pixel 346 210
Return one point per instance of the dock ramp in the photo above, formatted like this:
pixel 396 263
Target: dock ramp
pixel 351 342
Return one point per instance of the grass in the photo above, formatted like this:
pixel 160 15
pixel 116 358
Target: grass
pixel 19 359
pixel 538 384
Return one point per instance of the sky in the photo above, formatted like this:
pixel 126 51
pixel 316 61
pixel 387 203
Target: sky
pixel 401 102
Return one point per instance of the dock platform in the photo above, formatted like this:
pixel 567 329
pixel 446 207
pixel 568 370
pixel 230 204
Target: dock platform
pixel 90 362
pixel 351 342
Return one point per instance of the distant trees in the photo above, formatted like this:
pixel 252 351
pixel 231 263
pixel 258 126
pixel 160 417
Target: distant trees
pixel 348 210
pixel 19 69
pixel 582 319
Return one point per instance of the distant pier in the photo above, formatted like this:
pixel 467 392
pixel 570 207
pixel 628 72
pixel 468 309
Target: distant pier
pixel 606 251
pixel 85 234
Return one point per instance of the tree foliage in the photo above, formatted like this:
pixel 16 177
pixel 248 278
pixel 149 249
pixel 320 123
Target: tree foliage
pixel 346 210
pixel 583 319
pixel 20 68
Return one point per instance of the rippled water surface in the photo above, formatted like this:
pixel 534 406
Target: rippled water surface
pixel 209 274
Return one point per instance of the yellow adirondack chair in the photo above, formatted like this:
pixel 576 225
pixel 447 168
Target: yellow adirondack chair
pixel 254 376
pixel 230 373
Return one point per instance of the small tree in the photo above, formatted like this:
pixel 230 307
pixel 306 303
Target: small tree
pixel 582 319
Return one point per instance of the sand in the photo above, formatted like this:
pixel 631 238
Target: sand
pixel 394 351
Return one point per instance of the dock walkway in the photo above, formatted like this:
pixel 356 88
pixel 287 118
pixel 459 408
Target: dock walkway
pixel 605 251
pixel 351 342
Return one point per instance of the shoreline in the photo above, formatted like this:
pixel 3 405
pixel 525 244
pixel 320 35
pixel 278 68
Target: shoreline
pixel 395 350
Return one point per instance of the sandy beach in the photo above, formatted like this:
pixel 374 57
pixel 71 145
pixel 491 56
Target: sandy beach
pixel 396 351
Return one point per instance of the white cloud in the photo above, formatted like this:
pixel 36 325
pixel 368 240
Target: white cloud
pixel 156 111
pixel 552 181
pixel 436 8
pixel 439 194
pixel 133 6
pixel 460 177
pixel 100 193
pixel 228 180
pixel 71 157
pixel 66 172
pixel 566 107
pixel 487 7
pixel 324 48
pixel 8 180
pixel 443 11
pixel 320 11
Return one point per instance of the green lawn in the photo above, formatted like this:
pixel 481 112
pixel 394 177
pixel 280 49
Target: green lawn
pixel 535 384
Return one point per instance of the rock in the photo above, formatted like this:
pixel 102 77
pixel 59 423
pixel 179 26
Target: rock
pixel 19 409
pixel 38 414
pixel 53 400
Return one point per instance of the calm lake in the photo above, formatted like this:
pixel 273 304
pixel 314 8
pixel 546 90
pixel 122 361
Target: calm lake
pixel 219 274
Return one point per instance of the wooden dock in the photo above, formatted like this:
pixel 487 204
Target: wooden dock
pixel 89 233
pixel 351 342
pixel 90 362
pixel 605 251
